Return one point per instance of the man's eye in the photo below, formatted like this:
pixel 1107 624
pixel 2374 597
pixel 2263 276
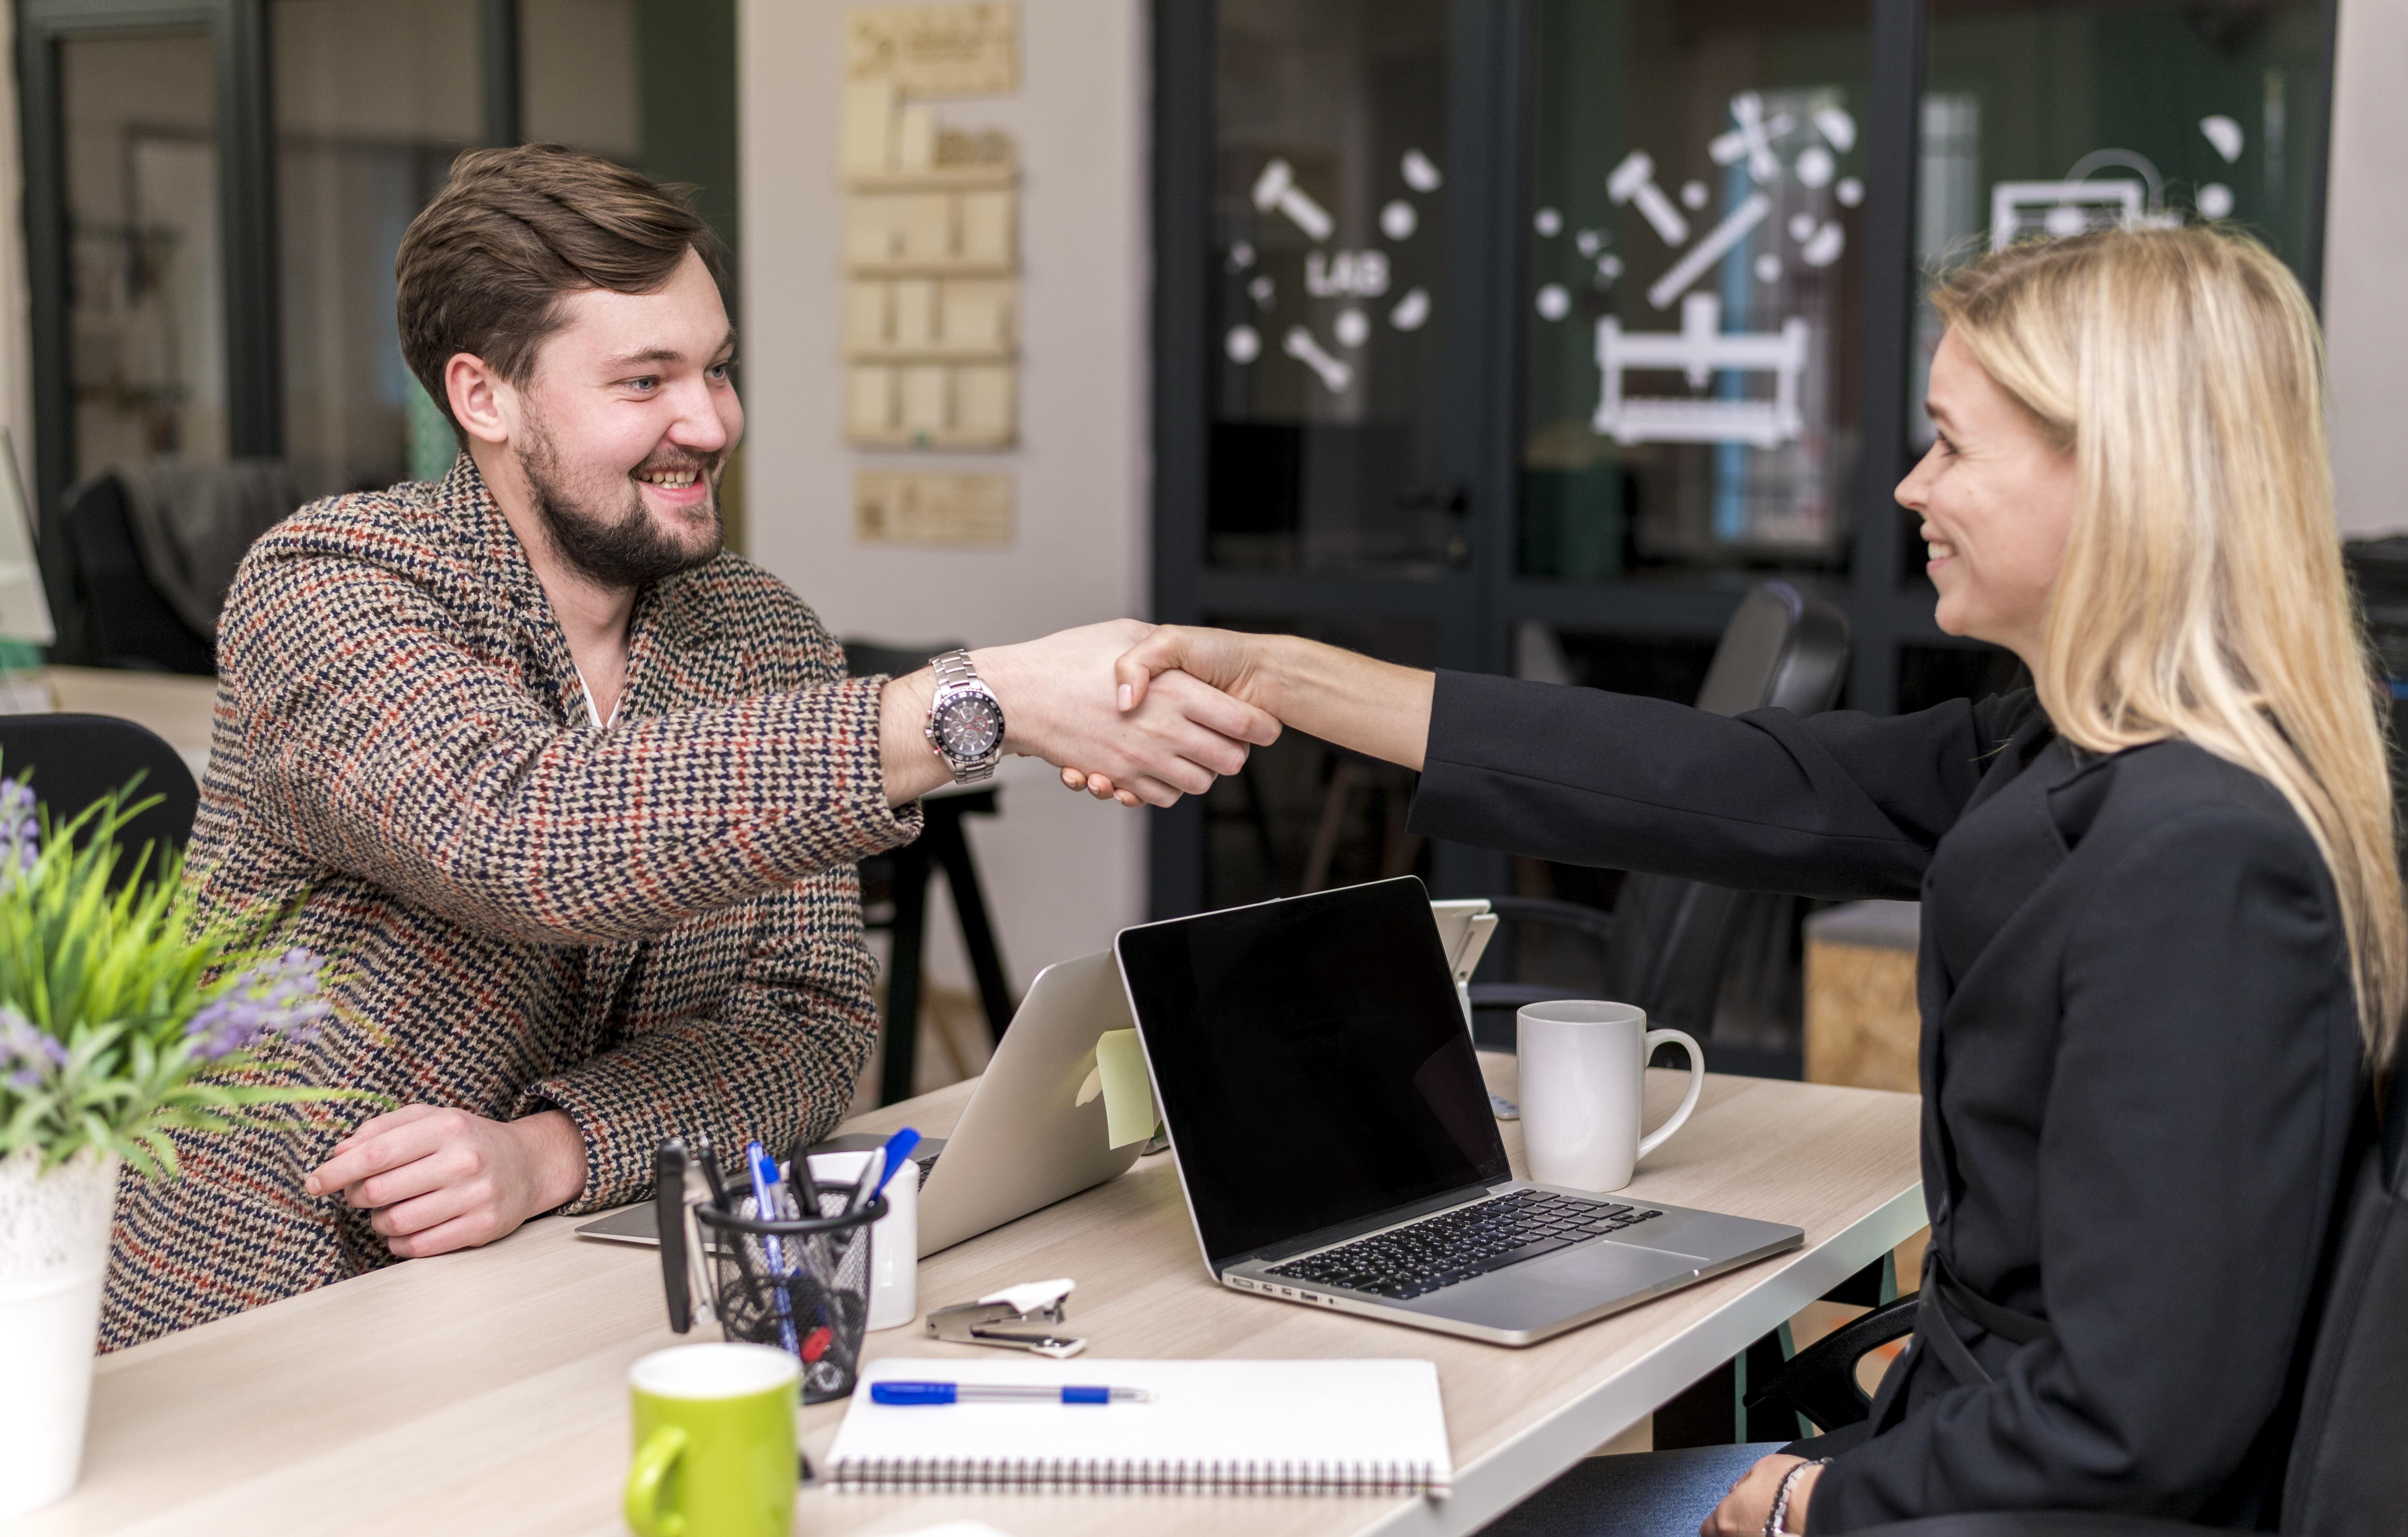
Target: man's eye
pixel 646 382
pixel 720 370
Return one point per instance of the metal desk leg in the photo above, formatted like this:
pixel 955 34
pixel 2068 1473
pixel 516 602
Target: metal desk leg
pixel 903 964
pixel 953 849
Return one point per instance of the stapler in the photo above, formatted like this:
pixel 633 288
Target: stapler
pixel 988 1320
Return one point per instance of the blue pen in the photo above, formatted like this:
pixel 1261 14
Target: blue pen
pixel 919 1394
pixel 767 1205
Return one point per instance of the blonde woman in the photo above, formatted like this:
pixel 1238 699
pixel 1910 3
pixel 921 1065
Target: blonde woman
pixel 2162 940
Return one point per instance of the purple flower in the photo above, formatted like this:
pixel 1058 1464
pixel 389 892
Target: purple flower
pixel 278 999
pixel 21 830
pixel 28 1054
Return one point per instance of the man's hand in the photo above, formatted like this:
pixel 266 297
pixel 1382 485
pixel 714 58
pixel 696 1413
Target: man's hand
pixel 1375 707
pixel 440 1180
pixel 1745 1510
pixel 1061 703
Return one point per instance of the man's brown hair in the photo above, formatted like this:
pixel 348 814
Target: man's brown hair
pixel 483 268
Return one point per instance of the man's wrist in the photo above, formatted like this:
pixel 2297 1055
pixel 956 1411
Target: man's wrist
pixel 555 1149
pixel 910 766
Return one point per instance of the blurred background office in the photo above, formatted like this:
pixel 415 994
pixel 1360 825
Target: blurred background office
pixel 1518 337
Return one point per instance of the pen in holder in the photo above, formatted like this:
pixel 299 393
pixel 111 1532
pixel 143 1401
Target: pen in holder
pixel 813 1299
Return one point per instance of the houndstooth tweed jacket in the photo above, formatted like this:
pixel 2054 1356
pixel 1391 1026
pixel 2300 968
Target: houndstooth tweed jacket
pixel 655 928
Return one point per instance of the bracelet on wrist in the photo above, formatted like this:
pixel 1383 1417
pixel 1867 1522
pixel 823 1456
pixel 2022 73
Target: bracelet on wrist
pixel 1775 1521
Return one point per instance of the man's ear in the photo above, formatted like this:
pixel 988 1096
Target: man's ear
pixel 483 401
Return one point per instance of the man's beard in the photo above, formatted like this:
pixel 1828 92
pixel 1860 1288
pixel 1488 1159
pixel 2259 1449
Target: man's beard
pixel 615 551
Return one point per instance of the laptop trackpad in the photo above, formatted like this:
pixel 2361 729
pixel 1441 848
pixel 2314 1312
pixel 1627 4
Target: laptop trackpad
pixel 1539 1292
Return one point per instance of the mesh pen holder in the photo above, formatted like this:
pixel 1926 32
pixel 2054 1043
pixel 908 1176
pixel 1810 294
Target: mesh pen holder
pixel 799 1284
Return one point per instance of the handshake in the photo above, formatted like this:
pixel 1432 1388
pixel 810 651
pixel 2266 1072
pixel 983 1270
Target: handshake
pixel 1145 713
pixel 1064 701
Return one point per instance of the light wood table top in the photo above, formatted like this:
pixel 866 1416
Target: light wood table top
pixel 486 1391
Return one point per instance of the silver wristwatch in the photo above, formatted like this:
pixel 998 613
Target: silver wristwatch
pixel 965 720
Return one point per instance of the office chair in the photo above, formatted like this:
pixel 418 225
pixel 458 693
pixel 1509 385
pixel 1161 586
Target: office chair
pixel 2347 1477
pixel 126 623
pixel 1666 942
pixel 75 759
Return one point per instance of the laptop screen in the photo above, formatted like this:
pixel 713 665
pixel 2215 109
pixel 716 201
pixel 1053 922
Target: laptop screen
pixel 1311 1061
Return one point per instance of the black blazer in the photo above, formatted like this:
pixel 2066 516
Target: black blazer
pixel 2139 1055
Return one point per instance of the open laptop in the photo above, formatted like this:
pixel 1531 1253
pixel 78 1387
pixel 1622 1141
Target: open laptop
pixel 1335 1140
pixel 1024 1141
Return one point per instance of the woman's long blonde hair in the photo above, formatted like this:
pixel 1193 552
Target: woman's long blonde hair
pixel 2202 594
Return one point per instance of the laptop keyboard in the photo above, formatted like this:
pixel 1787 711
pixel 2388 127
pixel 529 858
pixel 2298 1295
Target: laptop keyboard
pixel 1456 1245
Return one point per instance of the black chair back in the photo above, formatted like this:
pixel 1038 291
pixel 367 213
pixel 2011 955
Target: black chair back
pixel 1671 938
pixel 126 623
pixel 2347 1476
pixel 75 759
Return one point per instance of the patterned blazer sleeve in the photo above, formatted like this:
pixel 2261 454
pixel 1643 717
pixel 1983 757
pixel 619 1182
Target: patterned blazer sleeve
pixel 778 1058
pixel 379 743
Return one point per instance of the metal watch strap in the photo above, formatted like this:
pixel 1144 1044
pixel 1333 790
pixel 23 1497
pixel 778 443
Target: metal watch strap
pixel 952 669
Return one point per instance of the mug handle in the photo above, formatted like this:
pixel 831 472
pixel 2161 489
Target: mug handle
pixel 653 1459
pixel 1654 1038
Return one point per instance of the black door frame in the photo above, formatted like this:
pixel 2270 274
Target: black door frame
pixel 1477 611
pixel 239 45
pixel 237 33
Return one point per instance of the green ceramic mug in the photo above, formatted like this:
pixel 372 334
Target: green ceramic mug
pixel 715 1453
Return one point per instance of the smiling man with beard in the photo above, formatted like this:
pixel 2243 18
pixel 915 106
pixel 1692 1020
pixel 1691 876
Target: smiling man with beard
pixel 570 795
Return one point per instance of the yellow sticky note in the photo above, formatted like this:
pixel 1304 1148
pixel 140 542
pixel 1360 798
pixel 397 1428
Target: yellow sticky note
pixel 1128 1091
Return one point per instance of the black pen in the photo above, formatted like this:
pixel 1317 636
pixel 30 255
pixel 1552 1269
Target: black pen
pixel 710 1162
pixel 799 1180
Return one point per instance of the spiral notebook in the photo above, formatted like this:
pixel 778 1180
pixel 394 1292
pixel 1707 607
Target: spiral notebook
pixel 1338 1427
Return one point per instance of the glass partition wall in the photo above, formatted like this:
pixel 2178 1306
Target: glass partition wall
pixel 216 189
pixel 1523 335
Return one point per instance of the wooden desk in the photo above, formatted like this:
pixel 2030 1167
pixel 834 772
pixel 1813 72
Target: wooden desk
pixel 486 1391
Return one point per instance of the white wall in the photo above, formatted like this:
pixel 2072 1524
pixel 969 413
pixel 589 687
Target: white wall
pixel 2366 266
pixel 1062 871
pixel 16 342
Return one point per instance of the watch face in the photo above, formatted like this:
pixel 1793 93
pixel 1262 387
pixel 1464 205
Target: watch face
pixel 969 726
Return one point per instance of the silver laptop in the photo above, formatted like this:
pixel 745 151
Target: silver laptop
pixel 1336 1142
pixel 1024 1141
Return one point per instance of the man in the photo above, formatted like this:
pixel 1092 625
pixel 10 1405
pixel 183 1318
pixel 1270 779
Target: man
pixel 569 795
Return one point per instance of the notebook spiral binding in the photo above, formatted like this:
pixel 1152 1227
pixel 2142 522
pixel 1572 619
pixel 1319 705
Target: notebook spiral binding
pixel 1149 1475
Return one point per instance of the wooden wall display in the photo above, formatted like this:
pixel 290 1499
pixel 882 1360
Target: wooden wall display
pixel 931 232
pixel 922 507
pixel 937 51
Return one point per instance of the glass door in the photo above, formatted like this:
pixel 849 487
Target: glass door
pixel 1335 489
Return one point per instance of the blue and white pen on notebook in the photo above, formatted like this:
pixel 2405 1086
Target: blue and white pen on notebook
pixel 919 1394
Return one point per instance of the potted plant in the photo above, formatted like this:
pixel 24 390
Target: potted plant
pixel 122 1017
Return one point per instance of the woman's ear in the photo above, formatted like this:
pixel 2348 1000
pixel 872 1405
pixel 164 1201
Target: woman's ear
pixel 483 402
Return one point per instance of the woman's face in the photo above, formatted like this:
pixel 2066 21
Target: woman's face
pixel 1997 500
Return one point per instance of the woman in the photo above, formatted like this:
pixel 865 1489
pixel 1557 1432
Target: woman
pixel 2162 940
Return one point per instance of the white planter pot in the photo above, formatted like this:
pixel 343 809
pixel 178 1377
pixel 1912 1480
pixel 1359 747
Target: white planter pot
pixel 53 1257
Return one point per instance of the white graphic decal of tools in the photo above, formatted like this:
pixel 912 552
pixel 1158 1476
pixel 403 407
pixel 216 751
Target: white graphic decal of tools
pixel 1709 250
pixel 1300 345
pixel 1276 188
pixel 1754 137
pixel 1634 180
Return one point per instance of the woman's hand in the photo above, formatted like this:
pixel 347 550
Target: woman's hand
pixel 1749 1504
pixel 1227 660
pixel 1375 707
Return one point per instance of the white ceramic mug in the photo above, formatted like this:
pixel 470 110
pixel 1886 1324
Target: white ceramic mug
pixel 893 1239
pixel 1584 1064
